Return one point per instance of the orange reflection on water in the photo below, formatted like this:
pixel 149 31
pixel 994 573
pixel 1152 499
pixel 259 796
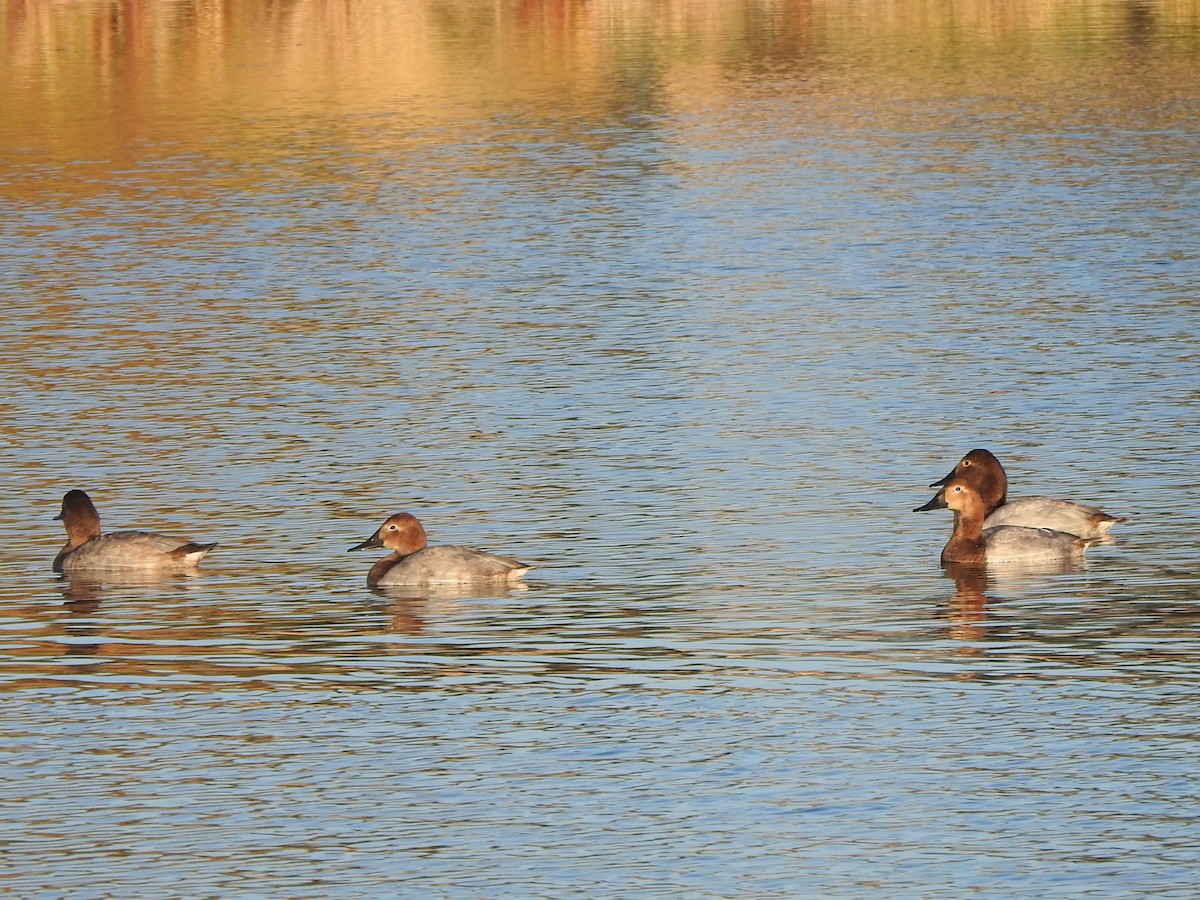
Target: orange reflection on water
pixel 95 76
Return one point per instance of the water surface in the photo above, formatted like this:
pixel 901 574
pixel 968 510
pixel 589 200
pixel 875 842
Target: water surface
pixel 686 303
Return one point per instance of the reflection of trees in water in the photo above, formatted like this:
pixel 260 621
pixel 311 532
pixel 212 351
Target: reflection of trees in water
pixel 469 43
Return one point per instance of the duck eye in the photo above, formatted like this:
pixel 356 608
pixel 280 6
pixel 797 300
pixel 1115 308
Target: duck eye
pixel 391 528
pixel 966 462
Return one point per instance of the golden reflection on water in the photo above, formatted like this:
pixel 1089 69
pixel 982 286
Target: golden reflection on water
pixel 88 79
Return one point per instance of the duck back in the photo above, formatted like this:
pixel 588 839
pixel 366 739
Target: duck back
pixel 1013 543
pixel 1059 515
pixel 132 550
pixel 452 565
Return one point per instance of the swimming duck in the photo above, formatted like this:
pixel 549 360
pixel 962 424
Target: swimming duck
pixel 972 544
pixel 87 549
pixel 413 562
pixel 985 473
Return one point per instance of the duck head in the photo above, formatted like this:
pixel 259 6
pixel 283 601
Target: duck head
pixel 79 517
pixel 984 472
pixel 401 533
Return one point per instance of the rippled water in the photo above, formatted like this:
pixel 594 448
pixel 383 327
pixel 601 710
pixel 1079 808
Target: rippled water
pixel 685 302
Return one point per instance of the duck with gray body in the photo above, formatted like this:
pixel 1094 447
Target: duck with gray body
pixel 981 468
pixel 88 550
pixel 413 562
pixel 972 544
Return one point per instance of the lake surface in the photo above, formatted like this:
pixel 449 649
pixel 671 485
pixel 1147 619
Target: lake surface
pixel 685 302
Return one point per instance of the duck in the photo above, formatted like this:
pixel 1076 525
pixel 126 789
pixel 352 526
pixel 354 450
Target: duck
pixel 974 545
pixel 89 550
pixel 981 468
pixel 412 561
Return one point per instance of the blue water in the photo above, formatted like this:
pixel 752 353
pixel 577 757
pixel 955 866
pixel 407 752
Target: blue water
pixel 696 344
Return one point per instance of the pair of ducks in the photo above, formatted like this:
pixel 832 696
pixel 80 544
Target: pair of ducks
pixel 990 528
pixel 987 528
pixel 410 562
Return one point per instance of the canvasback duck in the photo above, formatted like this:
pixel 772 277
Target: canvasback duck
pixel 88 550
pixel 985 473
pixel 413 562
pixel 972 544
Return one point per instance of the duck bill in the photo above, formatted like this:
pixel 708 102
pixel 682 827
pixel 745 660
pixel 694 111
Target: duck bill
pixel 372 541
pixel 942 482
pixel 938 502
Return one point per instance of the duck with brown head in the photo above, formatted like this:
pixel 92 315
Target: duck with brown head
pixel 983 471
pixel 973 544
pixel 89 550
pixel 413 562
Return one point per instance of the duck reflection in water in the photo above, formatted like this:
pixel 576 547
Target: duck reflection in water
pixel 83 592
pixel 406 615
pixel 968 607
pixel 408 609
